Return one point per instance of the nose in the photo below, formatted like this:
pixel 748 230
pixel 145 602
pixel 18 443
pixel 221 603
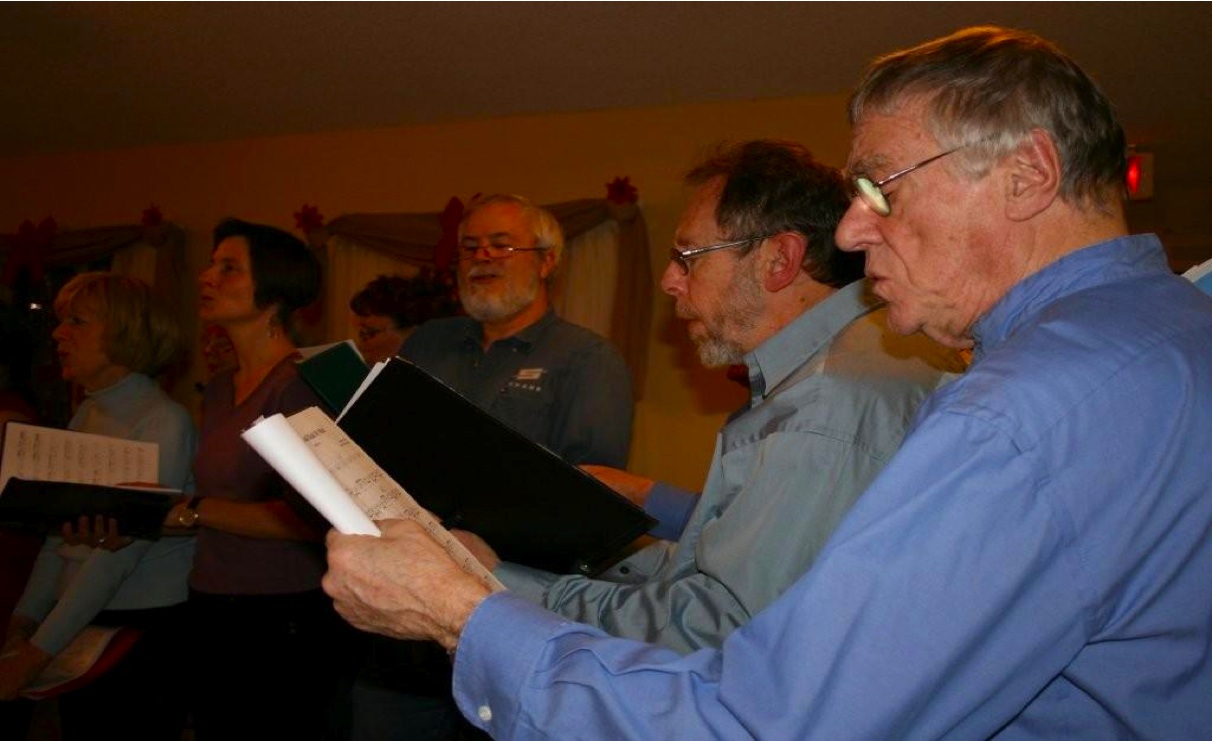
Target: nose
pixel 60 331
pixel 673 280
pixel 857 228
pixel 205 278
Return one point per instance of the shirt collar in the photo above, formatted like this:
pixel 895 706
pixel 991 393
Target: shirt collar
pixel 807 336
pixel 1099 264
pixel 523 339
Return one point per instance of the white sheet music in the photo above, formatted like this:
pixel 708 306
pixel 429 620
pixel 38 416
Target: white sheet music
pixel 47 454
pixel 344 484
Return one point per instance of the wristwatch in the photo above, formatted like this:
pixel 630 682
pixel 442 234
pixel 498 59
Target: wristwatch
pixel 189 516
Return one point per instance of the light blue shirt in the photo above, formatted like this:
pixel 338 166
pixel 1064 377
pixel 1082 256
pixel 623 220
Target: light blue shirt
pixel 1034 563
pixel 68 586
pixel 831 395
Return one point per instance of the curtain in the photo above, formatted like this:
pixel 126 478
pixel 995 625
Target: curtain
pixel 585 286
pixel 605 284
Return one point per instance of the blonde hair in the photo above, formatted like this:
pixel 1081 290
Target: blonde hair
pixel 139 332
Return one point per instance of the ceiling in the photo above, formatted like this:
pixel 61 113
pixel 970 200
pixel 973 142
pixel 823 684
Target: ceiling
pixel 86 76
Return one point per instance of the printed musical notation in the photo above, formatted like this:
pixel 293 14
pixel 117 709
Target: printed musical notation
pixel 345 484
pixel 48 454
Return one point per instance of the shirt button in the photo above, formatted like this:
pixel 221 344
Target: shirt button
pixel 485 713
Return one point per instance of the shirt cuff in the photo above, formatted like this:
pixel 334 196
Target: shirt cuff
pixel 671 507
pixel 497 651
pixel 530 584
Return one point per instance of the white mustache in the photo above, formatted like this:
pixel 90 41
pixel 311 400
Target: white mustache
pixel 484 271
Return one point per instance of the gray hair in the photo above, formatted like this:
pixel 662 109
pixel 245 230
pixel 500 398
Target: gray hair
pixel 989 88
pixel 547 231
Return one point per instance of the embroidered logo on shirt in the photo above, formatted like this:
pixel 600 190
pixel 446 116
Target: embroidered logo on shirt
pixel 528 378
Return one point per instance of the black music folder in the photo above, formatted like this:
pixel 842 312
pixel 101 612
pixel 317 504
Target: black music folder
pixel 478 474
pixel 44 506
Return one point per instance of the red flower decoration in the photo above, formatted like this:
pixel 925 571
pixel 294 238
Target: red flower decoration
pixel 152 216
pixel 621 191
pixel 308 218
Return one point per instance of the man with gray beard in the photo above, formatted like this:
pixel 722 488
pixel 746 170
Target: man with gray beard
pixel 558 384
pixel 758 278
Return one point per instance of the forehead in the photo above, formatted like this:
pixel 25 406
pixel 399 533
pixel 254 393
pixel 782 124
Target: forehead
pixel 372 320
pixel 497 219
pixel 81 302
pixel 234 249
pixel 882 141
pixel 697 222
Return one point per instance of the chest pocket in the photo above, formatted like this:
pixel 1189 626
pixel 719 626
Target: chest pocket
pixel 527 406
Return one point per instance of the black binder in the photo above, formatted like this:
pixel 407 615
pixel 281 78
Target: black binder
pixel 477 473
pixel 44 506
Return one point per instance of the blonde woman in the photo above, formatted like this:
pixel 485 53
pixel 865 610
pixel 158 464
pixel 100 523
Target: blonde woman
pixel 112 338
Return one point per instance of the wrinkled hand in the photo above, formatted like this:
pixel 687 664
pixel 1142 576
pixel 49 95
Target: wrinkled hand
pixel 401 584
pixel 19 669
pixel 95 533
pixel 478 547
pixel 636 488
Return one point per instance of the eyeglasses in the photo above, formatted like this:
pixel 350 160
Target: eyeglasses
pixel 873 194
pixel 494 251
pixel 681 258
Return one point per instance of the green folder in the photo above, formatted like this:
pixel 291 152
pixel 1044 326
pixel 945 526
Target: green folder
pixel 334 373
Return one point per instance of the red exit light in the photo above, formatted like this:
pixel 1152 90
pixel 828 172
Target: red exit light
pixel 1139 178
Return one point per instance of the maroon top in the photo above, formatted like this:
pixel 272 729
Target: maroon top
pixel 228 467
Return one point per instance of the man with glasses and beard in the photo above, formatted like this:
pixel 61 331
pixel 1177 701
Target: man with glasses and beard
pixel 557 383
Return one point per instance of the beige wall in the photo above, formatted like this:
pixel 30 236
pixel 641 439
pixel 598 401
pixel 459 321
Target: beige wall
pixel 548 158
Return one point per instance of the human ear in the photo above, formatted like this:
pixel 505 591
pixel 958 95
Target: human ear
pixel 1033 176
pixel 548 265
pixel 784 259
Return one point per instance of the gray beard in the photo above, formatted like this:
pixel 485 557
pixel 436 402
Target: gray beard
pixel 498 307
pixel 717 352
pixel 738 318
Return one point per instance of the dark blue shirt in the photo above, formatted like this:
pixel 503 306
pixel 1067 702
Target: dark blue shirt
pixel 558 384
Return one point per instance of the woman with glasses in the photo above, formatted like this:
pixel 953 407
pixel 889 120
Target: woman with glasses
pixel 389 307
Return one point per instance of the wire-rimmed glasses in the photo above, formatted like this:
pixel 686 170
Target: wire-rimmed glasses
pixel 681 258
pixel 469 250
pixel 872 192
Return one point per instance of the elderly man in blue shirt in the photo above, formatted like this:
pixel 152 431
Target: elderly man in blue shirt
pixel 1034 561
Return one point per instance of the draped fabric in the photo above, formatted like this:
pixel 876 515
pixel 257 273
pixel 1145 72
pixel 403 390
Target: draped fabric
pixel 156 254
pixel 410 238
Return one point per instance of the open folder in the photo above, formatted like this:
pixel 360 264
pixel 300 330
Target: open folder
pixel 476 473
pixel 50 476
